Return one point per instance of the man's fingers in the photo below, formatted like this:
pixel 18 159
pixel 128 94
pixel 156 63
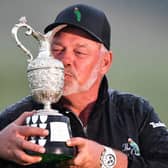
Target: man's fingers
pixel 32 131
pixel 77 141
pixel 21 119
pixel 25 159
pixel 27 145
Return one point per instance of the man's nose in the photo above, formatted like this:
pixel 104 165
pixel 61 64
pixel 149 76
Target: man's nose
pixel 67 58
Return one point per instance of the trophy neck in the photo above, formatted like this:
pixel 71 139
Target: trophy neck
pixel 47 106
pixel 48 110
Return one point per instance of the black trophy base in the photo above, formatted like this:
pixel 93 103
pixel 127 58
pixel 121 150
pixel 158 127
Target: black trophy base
pixel 56 152
pixel 55 143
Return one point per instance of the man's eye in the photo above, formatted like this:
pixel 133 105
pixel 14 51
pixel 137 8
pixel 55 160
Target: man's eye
pixel 57 51
pixel 80 52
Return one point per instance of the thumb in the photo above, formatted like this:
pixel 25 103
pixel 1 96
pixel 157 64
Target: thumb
pixel 76 141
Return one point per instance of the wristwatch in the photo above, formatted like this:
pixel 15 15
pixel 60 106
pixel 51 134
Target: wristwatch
pixel 108 158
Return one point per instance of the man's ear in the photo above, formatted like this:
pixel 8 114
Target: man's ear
pixel 106 62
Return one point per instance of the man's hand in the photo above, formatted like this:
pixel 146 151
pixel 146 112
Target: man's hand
pixel 89 153
pixel 13 141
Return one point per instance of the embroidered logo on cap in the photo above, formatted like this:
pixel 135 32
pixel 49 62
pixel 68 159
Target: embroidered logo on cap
pixel 77 14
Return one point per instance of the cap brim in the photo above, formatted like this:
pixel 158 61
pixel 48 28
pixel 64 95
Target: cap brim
pixel 55 25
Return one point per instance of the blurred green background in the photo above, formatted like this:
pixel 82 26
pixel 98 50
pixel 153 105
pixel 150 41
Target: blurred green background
pixel 139 44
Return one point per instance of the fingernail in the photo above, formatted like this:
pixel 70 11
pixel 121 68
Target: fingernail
pixel 68 142
pixel 39 159
pixel 42 150
pixel 46 132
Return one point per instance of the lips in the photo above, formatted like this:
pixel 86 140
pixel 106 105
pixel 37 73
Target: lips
pixel 69 72
pixel 68 76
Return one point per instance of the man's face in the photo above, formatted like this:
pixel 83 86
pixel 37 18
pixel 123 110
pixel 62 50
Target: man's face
pixel 81 57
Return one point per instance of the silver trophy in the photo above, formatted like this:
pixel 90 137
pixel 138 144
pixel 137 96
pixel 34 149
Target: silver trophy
pixel 46 80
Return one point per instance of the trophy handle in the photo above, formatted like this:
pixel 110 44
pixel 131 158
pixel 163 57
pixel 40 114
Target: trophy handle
pixel 37 35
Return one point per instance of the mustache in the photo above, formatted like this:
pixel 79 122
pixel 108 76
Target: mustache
pixel 70 72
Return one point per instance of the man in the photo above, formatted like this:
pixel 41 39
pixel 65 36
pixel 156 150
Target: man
pixel 118 130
